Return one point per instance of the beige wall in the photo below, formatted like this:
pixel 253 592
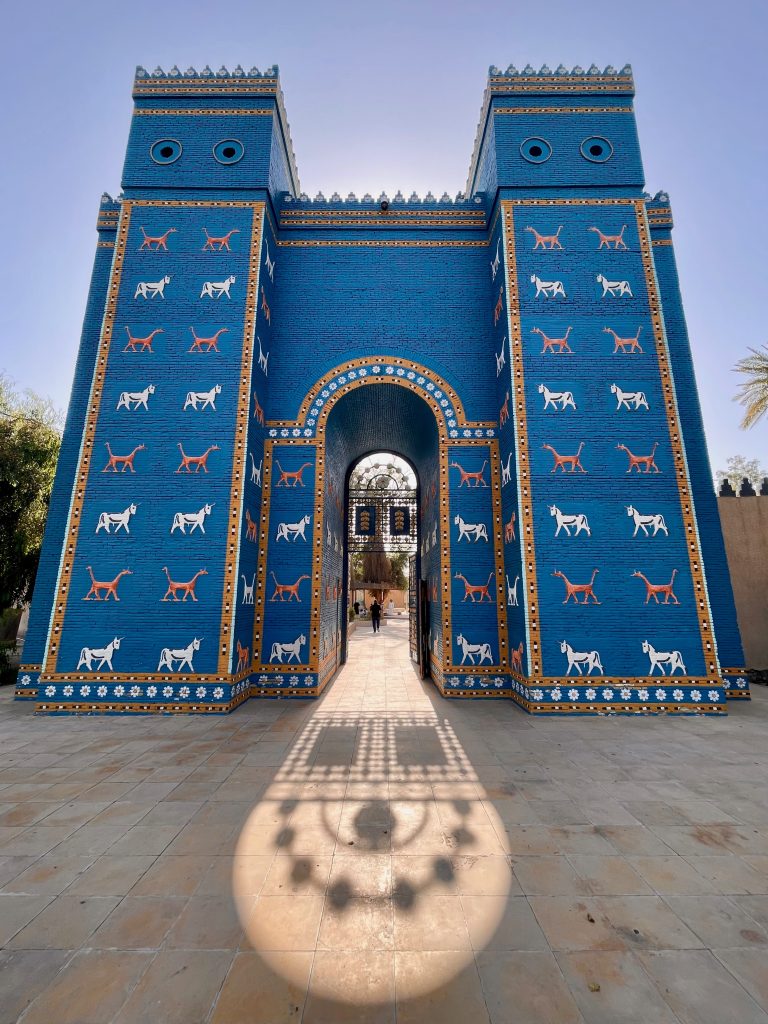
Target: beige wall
pixel 745 530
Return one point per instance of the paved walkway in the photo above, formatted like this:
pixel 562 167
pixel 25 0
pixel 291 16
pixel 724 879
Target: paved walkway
pixel 383 855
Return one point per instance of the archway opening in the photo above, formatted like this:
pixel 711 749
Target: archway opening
pixel 381 485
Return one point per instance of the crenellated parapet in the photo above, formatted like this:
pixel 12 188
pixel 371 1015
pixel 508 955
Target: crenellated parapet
pixel 561 80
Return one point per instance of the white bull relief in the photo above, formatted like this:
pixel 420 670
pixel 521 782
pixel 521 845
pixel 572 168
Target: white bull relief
pixel 576 659
pixel 89 654
pixel 291 531
pixel 672 659
pixel 183 655
pixel 193 520
pixel 471 651
pixel 654 520
pixel 119 520
pixel 292 650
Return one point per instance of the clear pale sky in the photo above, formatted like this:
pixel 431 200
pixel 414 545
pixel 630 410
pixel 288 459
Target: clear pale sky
pixel 387 96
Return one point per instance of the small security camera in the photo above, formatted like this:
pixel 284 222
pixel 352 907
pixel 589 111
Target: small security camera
pixel 384 205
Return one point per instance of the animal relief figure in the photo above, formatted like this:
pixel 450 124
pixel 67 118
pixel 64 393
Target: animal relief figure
pixel 561 461
pixel 546 241
pixel 270 263
pixel 255 472
pixel 564 522
pixel 250 527
pixel 263 358
pixel 471 589
pixel 220 242
pixel 198 461
pixel 264 307
pixel 606 240
pixel 576 659
pixel 470 530
pixel 654 521
pixel 117 519
pixel 509 529
pixel 291 589
pixel 467 477
pixel 551 398
pixel 187 589
pixel 624 344
pixel 215 289
pixel 652 590
pixel 636 461
pixel 501 358
pixel 614 288
pixel 549 289
pixel 89 654
pixel 572 590
pixel 497 309
pixel 291 478
pixel 629 399
pixel 495 261
pixel 208 398
pixel 99 587
pixel 155 242
pixel 145 344
pixel 151 289
pixel 211 343
pixel 549 343
pixel 512 591
pixel 504 412
pixel 248 589
pixel 516 659
pixel 243 657
pixel 658 659
pixel 133 400
pixel 506 470
pixel 126 461
pixel 193 520
pixel 292 650
pixel 291 531
pixel 183 655
pixel 471 651
pixel 258 411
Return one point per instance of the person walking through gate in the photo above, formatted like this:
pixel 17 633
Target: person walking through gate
pixel 376 615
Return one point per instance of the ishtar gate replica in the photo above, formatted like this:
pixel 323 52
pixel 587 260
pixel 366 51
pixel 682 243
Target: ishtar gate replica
pixel 523 346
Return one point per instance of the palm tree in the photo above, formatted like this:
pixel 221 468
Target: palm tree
pixel 753 392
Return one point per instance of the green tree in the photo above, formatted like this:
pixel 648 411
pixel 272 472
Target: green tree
pixel 398 562
pixel 736 468
pixel 30 438
pixel 753 392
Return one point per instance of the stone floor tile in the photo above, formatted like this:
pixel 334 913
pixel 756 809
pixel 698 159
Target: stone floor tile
pixel 33 841
pixel 639 841
pixel 50 874
pixel 671 876
pixel 548 876
pixel 122 812
pixel 431 922
pixel 66 923
pixel 92 839
pixel 145 840
pixel 91 988
pixel 719 922
pixel 16 911
pixel 440 987
pixel 730 874
pixel 172 876
pixel 283 923
pixel 24 974
pixel 499 923
pixel 699 989
pixel 356 875
pixel 110 875
pixel 26 813
pixel 351 990
pixel 748 966
pixel 572 924
pixel 255 992
pixel 178 987
pixel 610 987
pixel 755 906
pixel 75 813
pixel 646 922
pixel 139 922
pixel 526 988
pixel 12 867
pixel 357 924
pixel 610 876
pixel 206 922
pixel 489 875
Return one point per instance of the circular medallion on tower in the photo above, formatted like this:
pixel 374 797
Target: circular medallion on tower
pixel 228 151
pixel 165 151
pixel 597 149
pixel 535 150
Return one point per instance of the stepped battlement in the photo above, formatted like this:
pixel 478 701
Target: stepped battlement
pixel 223 73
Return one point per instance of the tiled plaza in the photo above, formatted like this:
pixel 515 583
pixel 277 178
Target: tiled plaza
pixel 383 855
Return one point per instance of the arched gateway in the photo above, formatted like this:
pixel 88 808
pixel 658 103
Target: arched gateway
pixel 523 347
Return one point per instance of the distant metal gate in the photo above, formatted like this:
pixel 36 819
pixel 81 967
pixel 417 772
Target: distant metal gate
pixel 413 606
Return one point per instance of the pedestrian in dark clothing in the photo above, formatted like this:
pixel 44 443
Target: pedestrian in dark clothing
pixel 376 615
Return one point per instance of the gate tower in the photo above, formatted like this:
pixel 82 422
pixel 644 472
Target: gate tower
pixel 523 345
